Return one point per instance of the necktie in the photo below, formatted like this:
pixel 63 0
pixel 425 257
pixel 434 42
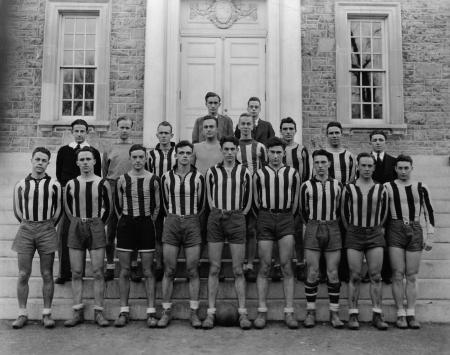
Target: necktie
pixel 77 147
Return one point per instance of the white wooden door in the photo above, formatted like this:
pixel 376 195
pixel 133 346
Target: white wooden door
pixel 234 68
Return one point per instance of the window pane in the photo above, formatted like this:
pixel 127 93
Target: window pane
pixel 90 25
pixel 89 108
pixel 377 64
pixel 366 95
pixel 356 60
pixel 68 58
pixel 90 75
pixel 365 29
pixel 90 42
pixel 68 75
pixel 78 92
pixel 68 41
pixel 356 78
pixel 89 92
pixel 79 75
pixel 67 91
pixel 78 108
pixel 354 28
pixel 90 58
pixel 79 57
pixel 356 111
pixel 67 108
pixel 376 29
pixel 365 79
pixel 367 111
pixel 366 45
pixel 377 79
pixel 377 94
pixel 79 41
pixel 69 25
pixel 378 111
pixel 376 43
pixel 80 25
pixel 356 44
pixel 366 61
pixel 356 95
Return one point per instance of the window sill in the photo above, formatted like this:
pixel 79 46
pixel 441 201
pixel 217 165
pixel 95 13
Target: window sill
pixel 399 128
pixel 99 126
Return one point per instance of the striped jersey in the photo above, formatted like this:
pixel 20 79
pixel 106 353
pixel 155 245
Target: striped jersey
pixel 298 157
pixel 37 199
pixel 407 202
pixel 87 198
pixel 320 201
pixel 364 210
pixel 342 167
pixel 137 195
pixel 183 196
pixel 251 154
pixel 160 162
pixel 276 190
pixel 229 191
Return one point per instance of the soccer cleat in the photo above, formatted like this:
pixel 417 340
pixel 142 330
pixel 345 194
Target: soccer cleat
pixel 260 320
pixel 300 271
pixel 165 319
pixel 109 274
pixel 250 275
pixel 244 322
pixel 378 321
pixel 20 322
pixel 412 322
pixel 195 321
pixel 208 322
pixel 122 320
pixel 77 318
pixel 47 321
pixel 291 322
pixel 310 320
pixel 353 323
pixel 152 321
pixel 276 273
pixel 401 322
pixel 335 321
pixel 100 318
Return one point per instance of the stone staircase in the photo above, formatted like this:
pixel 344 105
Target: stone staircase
pixel 433 285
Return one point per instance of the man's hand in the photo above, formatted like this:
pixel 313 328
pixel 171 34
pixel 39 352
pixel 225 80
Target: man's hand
pixel 428 242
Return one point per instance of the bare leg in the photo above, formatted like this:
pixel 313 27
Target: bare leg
pixel 286 246
pixel 237 257
pixel 192 259
pixel 374 259
pixel 412 269
pixel 355 258
pixel 25 264
pixel 170 254
pixel 397 256
pixel 149 282
pixel 215 257
pixel 124 276
pixel 77 260
pixel 265 248
pixel 48 285
pixel 97 257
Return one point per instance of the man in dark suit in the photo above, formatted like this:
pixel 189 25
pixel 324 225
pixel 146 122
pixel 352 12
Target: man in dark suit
pixel 262 130
pixel 384 172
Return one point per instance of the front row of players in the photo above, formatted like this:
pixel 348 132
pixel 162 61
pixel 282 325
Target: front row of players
pixel 273 195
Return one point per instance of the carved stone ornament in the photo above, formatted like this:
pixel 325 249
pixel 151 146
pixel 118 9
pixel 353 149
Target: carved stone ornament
pixel 222 13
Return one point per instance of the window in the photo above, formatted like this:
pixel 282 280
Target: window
pixel 369 71
pixel 76 64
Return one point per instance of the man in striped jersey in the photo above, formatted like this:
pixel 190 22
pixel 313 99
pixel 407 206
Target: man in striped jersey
pixel 296 156
pixel 137 203
pixel 364 211
pixel 37 206
pixel 161 160
pixel 229 192
pixel 85 198
pixel 183 190
pixel 275 188
pixel 252 155
pixel 407 200
pixel 319 205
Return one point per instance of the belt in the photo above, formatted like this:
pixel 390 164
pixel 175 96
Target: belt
pixel 182 216
pixel 276 211
pixel 86 220
pixel 313 221
pixel 406 223
pixel 226 211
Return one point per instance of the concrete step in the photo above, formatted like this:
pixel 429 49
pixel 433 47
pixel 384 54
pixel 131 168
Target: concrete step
pixel 426 310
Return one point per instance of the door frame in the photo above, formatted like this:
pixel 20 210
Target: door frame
pixel 162 65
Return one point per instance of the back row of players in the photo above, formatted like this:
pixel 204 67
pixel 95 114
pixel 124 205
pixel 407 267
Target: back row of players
pixel 233 190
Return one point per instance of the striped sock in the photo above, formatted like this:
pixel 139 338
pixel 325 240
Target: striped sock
pixel 333 294
pixel 311 291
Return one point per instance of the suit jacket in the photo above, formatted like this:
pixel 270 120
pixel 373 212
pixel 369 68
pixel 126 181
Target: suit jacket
pixel 262 133
pixel 225 128
pixel 385 171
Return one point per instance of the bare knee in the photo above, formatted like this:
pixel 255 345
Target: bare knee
pixel 398 275
pixel 286 268
pixel 312 274
pixel 192 272
pixel 214 270
pixel 24 276
pixel 47 276
pixel 355 277
pixel 169 272
pixel 97 273
pixel 264 270
pixel 125 272
pixel 411 277
pixel 237 271
pixel 147 272
pixel 375 276
pixel 333 276
pixel 77 275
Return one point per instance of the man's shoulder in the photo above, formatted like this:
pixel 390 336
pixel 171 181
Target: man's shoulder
pixel 225 117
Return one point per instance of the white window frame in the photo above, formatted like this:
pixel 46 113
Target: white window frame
pixel 393 118
pixel 51 98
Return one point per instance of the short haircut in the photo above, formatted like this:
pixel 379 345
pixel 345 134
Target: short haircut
pixel 41 150
pixel 208 117
pixel 211 94
pixel 182 144
pixel 230 139
pixel 377 131
pixel 85 149
pixel 288 120
pixel 334 124
pixel 253 98
pixel 245 114
pixel 135 147
pixel 165 124
pixel 321 152
pixel 275 142
pixel 403 157
pixel 81 123
pixel 365 155
pixel 124 118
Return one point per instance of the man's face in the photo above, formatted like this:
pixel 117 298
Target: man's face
pixel 321 165
pixel 210 128
pixel 378 143
pixel 366 167
pixel 164 134
pixel 138 158
pixel 254 108
pixel 183 155
pixel 229 151
pixel 124 128
pixel 288 131
pixel 79 133
pixel 275 155
pixel 86 162
pixel 334 135
pixel 39 162
pixel 246 125
pixel 403 169
pixel 212 104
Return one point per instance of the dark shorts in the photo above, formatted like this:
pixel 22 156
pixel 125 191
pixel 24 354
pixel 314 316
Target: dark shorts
pixel 323 236
pixel 32 236
pixel 250 222
pixel 226 225
pixel 406 236
pixel 135 234
pixel 182 231
pixel 364 238
pixel 89 234
pixel 274 226
pixel 159 226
